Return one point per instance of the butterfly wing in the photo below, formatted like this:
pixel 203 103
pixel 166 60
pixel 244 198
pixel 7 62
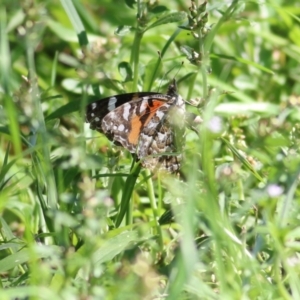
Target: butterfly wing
pixel 121 117
pixel 161 141
pixel 148 124
pixel 124 124
pixel 96 111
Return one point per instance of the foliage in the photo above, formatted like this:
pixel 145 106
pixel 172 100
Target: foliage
pixel 80 220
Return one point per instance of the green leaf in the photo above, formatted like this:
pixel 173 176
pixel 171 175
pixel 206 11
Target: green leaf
pixel 4 171
pixel 237 108
pixel 174 17
pixel 130 3
pixel 125 71
pixel 64 110
pixel 76 22
pixel 123 30
pixel 130 183
pixel 27 292
pixel 114 246
pixel 244 61
pixel 187 51
pixel 277 140
pixel 24 256
pixel 243 160
pixel 14 260
pixel 159 9
pixel 69 35
pixel 8 235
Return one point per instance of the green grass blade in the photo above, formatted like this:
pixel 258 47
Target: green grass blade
pixel 76 22
pixel 174 17
pixel 243 160
pixel 127 192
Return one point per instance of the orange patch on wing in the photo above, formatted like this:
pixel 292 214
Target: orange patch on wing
pixel 156 105
pixel 136 124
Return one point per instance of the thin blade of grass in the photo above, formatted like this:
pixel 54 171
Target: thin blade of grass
pixel 127 192
pixel 244 61
pixel 76 22
pixel 243 160
pixel 169 18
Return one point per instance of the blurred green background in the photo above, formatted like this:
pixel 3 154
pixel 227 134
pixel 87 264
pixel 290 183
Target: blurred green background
pixel 78 223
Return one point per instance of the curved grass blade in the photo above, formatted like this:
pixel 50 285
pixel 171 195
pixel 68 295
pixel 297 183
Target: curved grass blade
pixel 76 22
pixel 243 160
pixel 127 192
pixel 243 61
pixel 170 18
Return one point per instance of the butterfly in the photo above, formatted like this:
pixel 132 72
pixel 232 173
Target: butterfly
pixel 149 125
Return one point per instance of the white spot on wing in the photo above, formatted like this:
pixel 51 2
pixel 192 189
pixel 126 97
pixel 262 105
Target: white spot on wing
pixel 121 127
pixel 160 114
pixel 161 137
pixel 112 103
pixel 180 101
pixel 126 107
pixel 144 105
pixel 93 105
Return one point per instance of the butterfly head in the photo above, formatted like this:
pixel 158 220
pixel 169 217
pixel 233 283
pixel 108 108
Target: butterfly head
pixel 172 90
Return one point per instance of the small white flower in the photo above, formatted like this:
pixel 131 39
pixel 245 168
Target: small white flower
pixel 215 124
pixel 274 190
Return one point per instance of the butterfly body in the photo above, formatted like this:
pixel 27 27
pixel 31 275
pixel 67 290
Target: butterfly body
pixel 150 125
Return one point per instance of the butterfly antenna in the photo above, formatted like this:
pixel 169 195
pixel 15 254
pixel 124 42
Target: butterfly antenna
pixel 165 75
pixel 160 57
pixel 182 63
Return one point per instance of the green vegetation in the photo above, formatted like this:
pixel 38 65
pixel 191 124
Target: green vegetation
pixel 80 220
